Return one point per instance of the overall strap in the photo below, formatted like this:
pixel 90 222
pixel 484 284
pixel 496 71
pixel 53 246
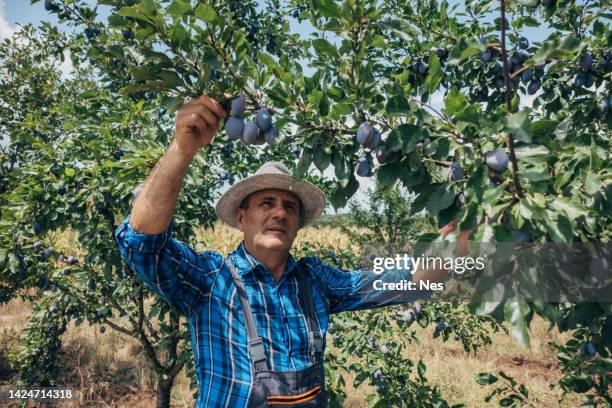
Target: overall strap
pixel 314 334
pixel 255 343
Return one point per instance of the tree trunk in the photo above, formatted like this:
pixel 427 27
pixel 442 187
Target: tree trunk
pixel 163 392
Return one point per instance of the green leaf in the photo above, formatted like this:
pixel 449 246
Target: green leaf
pixel 470 114
pixel 592 183
pixel 341 108
pixel 303 164
pixel 340 195
pixel 398 104
pixel 462 50
pixel 325 49
pixel 572 208
pixel 266 59
pixel 69 171
pixel 440 199
pixel 402 28
pixel 515 311
pixel 455 102
pixel 388 173
pixel 179 8
pixel 485 378
pixel 321 159
pixel 206 13
pixel 324 105
pixel 519 126
pixel 557 47
pixel 434 77
pixel 327 8
pixel 137 14
pixel 558 226
pixel 541 129
pixel 531 151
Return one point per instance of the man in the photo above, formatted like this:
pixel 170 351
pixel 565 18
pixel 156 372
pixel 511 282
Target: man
pixel 258 318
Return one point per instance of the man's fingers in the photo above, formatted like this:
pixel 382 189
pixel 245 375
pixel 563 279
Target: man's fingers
pixel 448 228
pixel 194 120
pixel 204 113
pixel 215 106
pixel 207 102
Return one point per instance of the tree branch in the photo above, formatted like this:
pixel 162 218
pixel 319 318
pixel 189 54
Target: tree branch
pixel 515 169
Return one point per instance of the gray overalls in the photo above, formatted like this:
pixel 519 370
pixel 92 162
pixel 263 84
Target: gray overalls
pixel 280 389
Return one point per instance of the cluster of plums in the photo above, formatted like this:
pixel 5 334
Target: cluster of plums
pixel 367 136
pixel 260 131
pixel 532 77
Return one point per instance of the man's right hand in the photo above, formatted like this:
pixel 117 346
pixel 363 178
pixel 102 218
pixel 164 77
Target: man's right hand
pixel 196 124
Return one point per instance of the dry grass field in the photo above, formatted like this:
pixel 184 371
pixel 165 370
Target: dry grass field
pixel 109 370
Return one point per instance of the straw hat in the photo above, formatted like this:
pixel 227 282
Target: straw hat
pixel 272 175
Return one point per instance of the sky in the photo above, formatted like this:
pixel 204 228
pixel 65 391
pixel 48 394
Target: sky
pixel 14 12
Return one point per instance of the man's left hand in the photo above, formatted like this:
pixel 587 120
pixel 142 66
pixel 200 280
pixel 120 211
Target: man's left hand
pixel 462 239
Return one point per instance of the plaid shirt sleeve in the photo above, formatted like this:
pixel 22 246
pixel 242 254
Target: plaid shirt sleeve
pixel 168 266
pixel 354 290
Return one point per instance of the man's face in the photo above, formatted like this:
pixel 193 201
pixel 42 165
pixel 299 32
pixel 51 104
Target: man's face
pixel 271 220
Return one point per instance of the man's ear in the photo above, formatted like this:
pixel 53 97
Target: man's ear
pixel 240 218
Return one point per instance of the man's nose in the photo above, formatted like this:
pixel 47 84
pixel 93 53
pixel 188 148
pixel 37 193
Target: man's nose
pixel 279 212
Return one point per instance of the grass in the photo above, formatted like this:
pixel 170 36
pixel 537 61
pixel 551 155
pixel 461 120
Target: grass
pixel 109 370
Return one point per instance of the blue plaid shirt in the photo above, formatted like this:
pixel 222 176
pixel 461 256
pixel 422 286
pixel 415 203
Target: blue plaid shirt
pixel 200 286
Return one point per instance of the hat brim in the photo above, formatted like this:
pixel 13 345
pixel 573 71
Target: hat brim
pixel 312 198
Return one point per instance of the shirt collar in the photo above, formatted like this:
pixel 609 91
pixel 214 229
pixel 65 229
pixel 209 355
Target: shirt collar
pixel 246 263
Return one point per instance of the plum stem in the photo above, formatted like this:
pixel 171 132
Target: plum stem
pixel 502 23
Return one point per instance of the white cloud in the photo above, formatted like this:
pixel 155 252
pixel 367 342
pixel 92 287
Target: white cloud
pixel 5 28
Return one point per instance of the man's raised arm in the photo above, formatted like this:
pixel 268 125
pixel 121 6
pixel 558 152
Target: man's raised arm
pixel 196 124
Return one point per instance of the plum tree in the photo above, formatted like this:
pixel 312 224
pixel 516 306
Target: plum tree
pixel 557 187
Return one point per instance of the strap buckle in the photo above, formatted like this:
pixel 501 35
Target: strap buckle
pixel 257 350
